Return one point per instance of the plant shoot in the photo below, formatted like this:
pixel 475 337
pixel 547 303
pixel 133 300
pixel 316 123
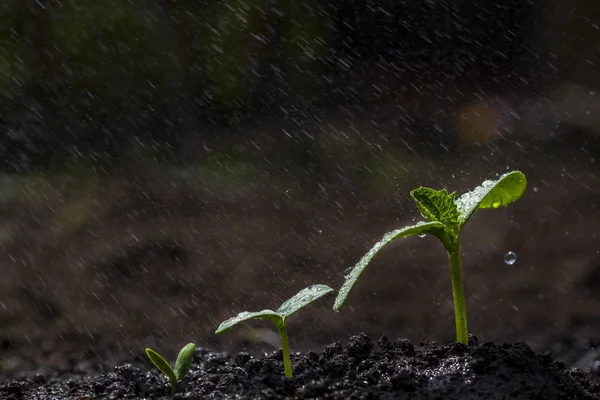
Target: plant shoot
pixel 446 216
pixel 289 307
pixel 182 365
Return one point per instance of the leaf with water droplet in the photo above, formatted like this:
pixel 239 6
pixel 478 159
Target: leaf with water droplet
pixel 434 228
pixel 303 298
pixel 289 307
pixel 491 194
pixel 436 205
pixel 245 316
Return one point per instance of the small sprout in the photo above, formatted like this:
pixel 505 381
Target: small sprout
pixel 446 216
pixel 289 307
pixel 182 365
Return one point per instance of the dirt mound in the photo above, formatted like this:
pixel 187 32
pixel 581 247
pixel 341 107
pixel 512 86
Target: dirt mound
pixel 363 369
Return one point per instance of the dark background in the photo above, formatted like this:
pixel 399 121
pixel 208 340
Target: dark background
pixel 167 164
pixel 99 79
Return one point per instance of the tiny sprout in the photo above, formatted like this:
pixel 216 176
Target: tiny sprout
pixel 182 365
pixel 289 307
pixel 446 216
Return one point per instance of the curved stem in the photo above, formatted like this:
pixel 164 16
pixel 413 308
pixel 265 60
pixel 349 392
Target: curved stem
pixel 458 292
pixel 287 365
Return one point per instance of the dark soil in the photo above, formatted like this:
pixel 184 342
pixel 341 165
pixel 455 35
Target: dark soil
pixel 361 370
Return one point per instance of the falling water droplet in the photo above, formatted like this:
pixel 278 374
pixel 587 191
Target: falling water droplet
pixel 347 272
pixel 510 258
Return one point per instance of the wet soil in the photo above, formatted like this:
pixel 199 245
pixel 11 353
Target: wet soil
pixel 361 370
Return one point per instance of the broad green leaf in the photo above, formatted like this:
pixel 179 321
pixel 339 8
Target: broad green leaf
pixel 162 364
pixel 434 228
pixel 244 316
pixel 304 297
pixel 184 360
pixel 436 205
pixel 491 194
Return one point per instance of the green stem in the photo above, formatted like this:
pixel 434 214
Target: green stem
pixel 458 292
pixel 173 386
pixel 287 366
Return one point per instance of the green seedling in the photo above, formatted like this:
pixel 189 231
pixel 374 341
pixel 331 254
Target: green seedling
pixel 182 365
pixel 289 307
pixel 446 216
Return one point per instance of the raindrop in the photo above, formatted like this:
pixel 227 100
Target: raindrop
pixel 510 258
pixel 347 272
pixel 535 189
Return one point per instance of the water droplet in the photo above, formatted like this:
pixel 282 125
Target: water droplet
pixel 497 203
pixel 510 258
pixel 422 235
pixel 535 189
pixel 347 272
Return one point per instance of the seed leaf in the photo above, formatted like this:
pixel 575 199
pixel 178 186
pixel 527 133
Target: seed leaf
pixel 491 194
pixel 436 228
pixel 244 316
pixel 302 298
pixel 162 364
pixel 436 205
pixel 184 360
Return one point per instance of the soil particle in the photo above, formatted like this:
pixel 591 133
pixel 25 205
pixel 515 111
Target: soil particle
pixel 360 370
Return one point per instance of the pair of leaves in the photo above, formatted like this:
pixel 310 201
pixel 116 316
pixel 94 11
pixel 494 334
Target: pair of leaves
pixel 446 217
pixel 289 307
pixel 438 205
pixel 182 365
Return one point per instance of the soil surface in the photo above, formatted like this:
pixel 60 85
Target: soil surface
pixel 360 370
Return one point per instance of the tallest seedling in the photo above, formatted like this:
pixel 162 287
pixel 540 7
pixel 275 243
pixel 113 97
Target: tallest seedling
pixel 446 216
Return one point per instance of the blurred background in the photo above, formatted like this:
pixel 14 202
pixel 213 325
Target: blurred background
pixel 166 164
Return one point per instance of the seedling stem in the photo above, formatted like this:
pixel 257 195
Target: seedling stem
pixel 458 293
pixel 287 365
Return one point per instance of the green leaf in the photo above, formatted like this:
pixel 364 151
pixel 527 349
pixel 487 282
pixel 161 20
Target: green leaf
pixel 162 365
pixel 244 316
pixel 436 205
pixel 434 228
pixel 491 194
pixel 303 298
pixel 184 360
